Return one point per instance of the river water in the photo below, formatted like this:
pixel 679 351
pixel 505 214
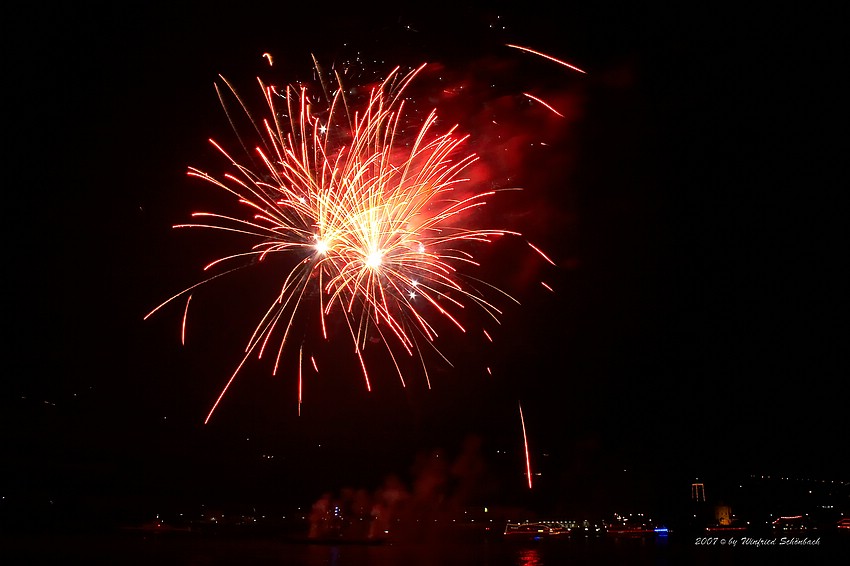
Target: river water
pixel 205 551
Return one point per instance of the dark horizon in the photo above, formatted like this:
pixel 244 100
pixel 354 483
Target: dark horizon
pixel 688 200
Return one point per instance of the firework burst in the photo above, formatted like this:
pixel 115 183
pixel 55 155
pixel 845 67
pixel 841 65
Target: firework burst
pixel 372 220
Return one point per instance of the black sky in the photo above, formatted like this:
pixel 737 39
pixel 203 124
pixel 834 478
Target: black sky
pixel 697 327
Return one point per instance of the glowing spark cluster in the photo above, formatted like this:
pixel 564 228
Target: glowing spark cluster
pixel 374 222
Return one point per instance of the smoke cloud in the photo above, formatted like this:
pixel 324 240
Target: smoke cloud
pixel 441 491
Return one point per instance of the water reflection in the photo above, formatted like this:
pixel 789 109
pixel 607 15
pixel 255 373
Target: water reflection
pixel 334 558
pixel 529 557
pixel 212 551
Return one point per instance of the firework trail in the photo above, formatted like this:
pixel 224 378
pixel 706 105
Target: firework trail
pixel 545 56
pixel 525 445
pixel 544 103
pixel 373 223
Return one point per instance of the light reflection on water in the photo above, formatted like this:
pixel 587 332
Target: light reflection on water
pixel 529 557
pixel 192 551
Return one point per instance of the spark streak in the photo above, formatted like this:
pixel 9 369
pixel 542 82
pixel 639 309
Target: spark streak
pixel 540 253
pixel 544 103
pixel 300 377
pixel 183 326
pixel 525 444
pixel 529 50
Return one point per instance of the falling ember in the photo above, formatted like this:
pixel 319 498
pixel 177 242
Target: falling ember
pixel 525 444
pixel 547 286
pixel 268 56
pixel 529 50
pixel 540 253
pixel 300 377
pixel 183 326
pixel 544 103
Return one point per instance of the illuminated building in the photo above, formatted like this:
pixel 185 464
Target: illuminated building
pixel 697 492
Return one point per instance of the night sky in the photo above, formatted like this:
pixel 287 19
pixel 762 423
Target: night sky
pixel 690 198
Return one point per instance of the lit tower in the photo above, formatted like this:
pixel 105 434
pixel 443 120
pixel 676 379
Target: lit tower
pixel 697 491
